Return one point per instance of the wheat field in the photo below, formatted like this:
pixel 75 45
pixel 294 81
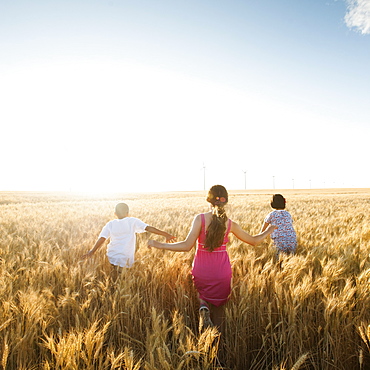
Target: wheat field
pixel 56 312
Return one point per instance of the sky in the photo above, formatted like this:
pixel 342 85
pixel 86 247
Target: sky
pixel 168 95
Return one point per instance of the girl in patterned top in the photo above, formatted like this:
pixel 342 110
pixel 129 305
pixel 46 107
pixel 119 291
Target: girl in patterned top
pixel 284 236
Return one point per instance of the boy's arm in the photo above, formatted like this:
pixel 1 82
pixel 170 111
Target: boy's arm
pixel 154 230
pixel 97 245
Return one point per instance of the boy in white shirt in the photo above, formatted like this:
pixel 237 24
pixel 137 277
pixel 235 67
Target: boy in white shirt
pixel 122 233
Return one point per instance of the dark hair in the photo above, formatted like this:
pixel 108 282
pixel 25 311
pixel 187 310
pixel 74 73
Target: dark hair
pixel 218 197
pixel 278 202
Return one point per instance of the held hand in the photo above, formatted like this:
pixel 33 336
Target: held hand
pixel 271 228
pixel 170 238
pixel 151 243
pixel 87 255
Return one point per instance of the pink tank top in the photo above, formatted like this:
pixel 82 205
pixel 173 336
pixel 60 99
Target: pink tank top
pixel 202 237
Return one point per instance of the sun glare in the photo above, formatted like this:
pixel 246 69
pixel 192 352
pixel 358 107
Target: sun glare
pixel 106 126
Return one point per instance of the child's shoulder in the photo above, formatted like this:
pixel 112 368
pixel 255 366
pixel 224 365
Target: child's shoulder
pixel 269 216
pixel 276 213
pixel 126 220
pixel 130 219
pixel 136 221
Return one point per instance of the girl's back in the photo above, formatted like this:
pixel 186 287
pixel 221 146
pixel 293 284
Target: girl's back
pixel 284 236
pixel 212 269
pixel 284 222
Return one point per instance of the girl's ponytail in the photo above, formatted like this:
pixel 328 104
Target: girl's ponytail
pixel 218 197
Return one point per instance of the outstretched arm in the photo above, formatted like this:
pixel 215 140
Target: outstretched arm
pixel 97 245
pixel 250 239
pixel 154 230
pixel 185 245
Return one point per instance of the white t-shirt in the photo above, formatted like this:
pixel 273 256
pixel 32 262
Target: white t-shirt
pixel 122 234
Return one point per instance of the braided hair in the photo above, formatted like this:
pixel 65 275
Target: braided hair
pixel 218 197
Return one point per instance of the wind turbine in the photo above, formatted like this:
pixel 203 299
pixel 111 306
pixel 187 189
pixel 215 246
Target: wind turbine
pixel 245 179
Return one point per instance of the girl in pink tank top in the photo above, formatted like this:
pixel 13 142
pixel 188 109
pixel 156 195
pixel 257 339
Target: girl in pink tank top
pixel 211 266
